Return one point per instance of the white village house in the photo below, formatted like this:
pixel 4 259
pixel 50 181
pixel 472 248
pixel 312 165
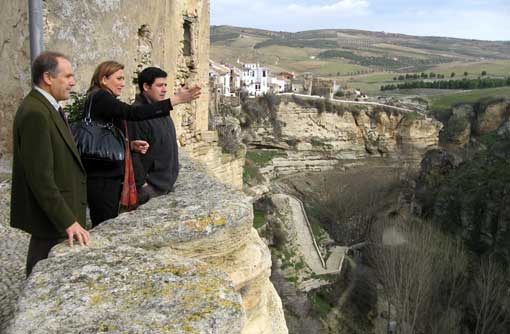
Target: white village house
pixel 251 78
pixel 220 76
pixel 255 79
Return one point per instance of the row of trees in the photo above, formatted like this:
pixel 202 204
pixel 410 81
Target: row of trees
pixel 478 83
pixel 430 75
pixel 383 62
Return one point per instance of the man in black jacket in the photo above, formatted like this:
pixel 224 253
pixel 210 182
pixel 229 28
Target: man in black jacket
pixel 154 142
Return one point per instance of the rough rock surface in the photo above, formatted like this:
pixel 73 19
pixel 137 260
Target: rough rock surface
pixel 434 169
pixel 122 289
pixel 478 121
pixel 491 117
pixel 14 245
pixel 319 140
pixel 15 59
pixel 458 127
pixel 199 235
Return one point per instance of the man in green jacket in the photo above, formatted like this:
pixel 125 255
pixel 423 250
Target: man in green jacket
pixel 48 198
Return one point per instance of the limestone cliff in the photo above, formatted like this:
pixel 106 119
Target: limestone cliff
pixel 467 124
pixel 189 262
pixel 316 137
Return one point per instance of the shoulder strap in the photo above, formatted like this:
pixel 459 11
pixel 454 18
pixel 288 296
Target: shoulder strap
pixel 87 115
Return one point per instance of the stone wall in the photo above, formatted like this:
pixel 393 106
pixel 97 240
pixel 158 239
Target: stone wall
pixel 189 262
pixel 15 59
pixel 137 34
pixel 173 35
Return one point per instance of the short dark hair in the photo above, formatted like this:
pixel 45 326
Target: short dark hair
pixel 45 62
pixel 148 76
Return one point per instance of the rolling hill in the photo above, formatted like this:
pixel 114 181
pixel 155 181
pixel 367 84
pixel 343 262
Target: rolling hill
pixel 363 59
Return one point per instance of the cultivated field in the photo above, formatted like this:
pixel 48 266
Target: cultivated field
pixel 367 60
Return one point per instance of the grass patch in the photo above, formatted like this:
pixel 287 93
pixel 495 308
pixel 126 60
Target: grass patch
pixel 318 232
pixel 316 142
pixel 300 265
pixel 263 157
pixel 413 116
pixel 259 218
pixel 320 304
pixel 489 139
pixel 251 172
pixel 493 67
pixel 450 100
pixel 336 68
pixel 292 279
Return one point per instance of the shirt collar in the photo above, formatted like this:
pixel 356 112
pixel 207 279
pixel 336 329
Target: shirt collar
pixel 48 97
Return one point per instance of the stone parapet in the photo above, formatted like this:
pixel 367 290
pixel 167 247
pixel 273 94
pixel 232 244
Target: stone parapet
pixel 188 262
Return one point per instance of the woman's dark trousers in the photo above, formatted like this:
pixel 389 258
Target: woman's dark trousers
pixel 103 195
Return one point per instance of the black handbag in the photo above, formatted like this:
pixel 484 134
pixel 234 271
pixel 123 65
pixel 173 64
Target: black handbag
pixel 98 141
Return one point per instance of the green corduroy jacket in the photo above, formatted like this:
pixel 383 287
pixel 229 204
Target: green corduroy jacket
pixel 49 183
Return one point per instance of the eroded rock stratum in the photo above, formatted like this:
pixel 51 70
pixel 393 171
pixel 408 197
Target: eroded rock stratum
pixel 188 262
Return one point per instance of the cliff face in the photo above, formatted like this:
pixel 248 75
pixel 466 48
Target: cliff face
pixel 465 186
pixel 466 124
pixel 189 262
pixel 317 140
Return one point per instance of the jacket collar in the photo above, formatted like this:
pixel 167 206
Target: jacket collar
pixel 141 99
pixel 59 123
pixel 49 97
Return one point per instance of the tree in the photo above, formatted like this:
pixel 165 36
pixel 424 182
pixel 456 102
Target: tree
pixel 452 75
pixel 466 74
pixel 422 273
pixel 484 73
pixel 349 207
pixel 490 298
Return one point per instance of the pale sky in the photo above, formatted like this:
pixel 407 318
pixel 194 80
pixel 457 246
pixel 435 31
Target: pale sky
pixel 472 19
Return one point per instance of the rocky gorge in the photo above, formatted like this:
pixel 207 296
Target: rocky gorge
pixel 314 134
pixel 455 175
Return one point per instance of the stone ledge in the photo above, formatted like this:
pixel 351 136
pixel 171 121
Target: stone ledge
pixel 142 272
pixel 127 290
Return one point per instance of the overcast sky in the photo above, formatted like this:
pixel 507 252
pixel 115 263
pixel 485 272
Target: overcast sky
pixel 473 19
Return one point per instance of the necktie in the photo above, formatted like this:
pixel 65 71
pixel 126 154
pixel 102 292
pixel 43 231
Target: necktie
pixel 64 118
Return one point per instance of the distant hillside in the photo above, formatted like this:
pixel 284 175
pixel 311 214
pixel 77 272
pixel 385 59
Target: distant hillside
pixel 375 41
pixel 347 52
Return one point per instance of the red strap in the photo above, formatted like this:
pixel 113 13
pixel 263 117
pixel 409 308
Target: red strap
pixel 129 197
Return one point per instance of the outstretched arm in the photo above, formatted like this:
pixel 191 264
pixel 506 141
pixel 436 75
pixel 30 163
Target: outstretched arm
pixel 186 95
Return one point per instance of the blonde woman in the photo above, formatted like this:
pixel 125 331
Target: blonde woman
pixel 104 178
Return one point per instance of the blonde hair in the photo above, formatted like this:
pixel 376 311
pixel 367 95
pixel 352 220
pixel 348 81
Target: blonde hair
pixel 105 69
